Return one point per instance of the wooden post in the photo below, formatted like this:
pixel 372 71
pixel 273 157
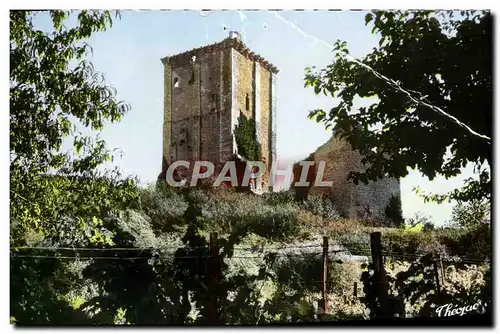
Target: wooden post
pixel 436 274
pixel 379 272
pixel 214 252
pixel 324 275
pixel 442 271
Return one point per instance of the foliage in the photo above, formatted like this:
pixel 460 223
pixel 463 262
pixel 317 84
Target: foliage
pixel 437 59
pixel 46 94
pixel 168 279
pixel 164 206
pixel 414 291
pixel 358 243
pixel 36 292
pixel 279 197
pixel 471 214
pixel 321 206
pixel 226 211
pixel 458 242
pixel 393 211
pixel 246 139
pixel 57 198
pixel 420 219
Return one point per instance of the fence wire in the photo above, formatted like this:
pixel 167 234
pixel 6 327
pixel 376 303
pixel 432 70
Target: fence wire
pixel 295 274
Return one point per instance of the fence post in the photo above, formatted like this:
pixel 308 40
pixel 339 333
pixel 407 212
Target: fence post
pixel 436 274
pixel 443 276
pixel 214 252
pixel 379 272
pixel 324 275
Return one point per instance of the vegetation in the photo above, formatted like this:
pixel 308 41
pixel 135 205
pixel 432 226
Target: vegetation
pixel 165 261
pixel 471 214
pixel 428 72
pixel 414 291
pixel 393 211
pixel 246 139
pixel 91 247
pixel 47 97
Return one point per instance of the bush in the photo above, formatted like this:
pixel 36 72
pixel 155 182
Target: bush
pixel 227 211
pixel 402 242
pixel 321 205
pixel 280 197
pixel 418 219
pixel 393 211
pixel 358 243
pixel 471 214
pixel 165 207
pixel 474 243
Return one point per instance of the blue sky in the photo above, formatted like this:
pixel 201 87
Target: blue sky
pixel 129 53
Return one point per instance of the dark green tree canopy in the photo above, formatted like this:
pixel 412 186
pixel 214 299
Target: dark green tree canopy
pixel 433 61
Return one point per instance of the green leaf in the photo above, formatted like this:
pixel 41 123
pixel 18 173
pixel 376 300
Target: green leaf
pixel 368 18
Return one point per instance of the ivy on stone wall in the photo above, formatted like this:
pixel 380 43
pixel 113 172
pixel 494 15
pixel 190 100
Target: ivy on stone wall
pixel 246 139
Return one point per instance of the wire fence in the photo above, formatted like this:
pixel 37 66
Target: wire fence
pixel 301 271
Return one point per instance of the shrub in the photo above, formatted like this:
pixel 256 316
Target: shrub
pixel 226 211
pixel 418 219
pixel 165 207
pixel 471 214
pixel 280 197
pixel 393 211
pixel 358 243
pixel 402 242
pixel 321 205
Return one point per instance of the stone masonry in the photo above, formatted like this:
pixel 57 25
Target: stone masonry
pixel 353 201
pixel 206 89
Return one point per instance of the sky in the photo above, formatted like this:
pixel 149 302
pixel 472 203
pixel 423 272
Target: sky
pixel 129 54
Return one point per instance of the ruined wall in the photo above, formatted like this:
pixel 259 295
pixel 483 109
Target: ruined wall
pixel 353 201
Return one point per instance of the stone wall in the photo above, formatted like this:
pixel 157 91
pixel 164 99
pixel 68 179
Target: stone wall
pixel 167 81
pixel 204 98
pixel 360 201
pixel 265 112
pixel 246 96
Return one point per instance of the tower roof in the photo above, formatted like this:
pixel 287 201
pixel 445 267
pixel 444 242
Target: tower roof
pixel 233 41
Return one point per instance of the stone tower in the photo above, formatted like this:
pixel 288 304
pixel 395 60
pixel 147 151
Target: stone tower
pixel 206 89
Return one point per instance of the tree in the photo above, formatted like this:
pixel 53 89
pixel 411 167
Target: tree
pixel 471 214
pixel 432 76
pixel 48 95
pixel 57 198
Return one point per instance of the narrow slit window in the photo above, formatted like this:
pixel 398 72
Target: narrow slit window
pixel 176 82
pixel 247 102
pixel 191 81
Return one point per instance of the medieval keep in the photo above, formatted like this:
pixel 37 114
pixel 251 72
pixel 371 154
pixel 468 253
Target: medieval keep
pixel 206 90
